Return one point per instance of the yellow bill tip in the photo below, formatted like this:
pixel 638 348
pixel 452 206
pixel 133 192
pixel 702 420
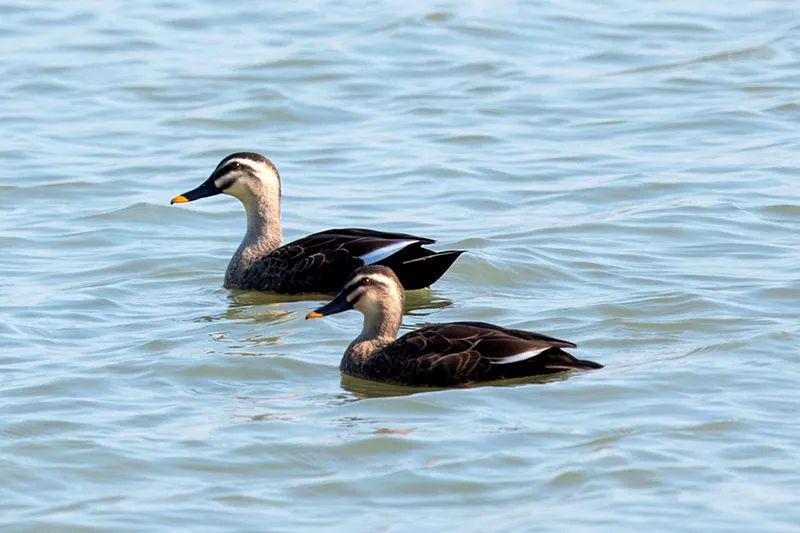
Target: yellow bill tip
pixel 180 199
pixel 314 314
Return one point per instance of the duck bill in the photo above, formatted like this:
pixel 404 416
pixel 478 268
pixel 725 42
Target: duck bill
pixel 208 188
pixel 337 305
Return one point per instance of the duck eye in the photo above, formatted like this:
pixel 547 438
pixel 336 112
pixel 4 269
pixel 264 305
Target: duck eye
pixel 367 281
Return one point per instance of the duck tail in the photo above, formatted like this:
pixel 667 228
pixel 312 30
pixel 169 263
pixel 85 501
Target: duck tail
pixel 424 269
pixel 560 360
pixel 585 364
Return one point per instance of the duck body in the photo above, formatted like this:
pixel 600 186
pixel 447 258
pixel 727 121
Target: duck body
pixel 457 353
pixel 323 261
pixel 320 262
pixel 439 355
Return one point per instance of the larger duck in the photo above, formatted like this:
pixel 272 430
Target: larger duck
pixel 439 355
pixel 320 262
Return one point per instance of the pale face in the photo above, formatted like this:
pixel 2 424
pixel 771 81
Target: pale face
pixel 244 178
pixel 367 291
pixel 243 175
pixel 372 290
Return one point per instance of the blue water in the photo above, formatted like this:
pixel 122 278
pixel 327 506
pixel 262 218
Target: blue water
pixel 623 176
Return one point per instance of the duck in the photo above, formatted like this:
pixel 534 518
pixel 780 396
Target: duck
pixel 318 263
pixel 437 355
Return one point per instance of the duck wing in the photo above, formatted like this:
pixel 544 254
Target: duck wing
pixel 463 352
pixel 322 262
pixel 521 334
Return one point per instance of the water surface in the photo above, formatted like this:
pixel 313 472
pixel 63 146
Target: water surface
pixel 624 177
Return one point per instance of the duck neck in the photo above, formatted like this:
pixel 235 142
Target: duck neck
pixel 263 236
pixel 379 330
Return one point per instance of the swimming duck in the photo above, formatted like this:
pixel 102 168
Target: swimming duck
pixel 318 263
pixel 438 355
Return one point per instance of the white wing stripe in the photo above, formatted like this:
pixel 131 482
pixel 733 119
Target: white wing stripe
pixel 519 357
pixel 384 252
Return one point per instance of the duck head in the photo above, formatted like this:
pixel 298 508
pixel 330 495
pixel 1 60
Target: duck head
pixel 373 290
pixel 243 175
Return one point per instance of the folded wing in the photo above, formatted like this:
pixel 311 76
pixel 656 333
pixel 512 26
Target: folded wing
pixel 321 262
pixel 462 352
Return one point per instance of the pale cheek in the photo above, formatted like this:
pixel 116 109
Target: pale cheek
pixel 365 304
pixel 237 190
pixel 245 188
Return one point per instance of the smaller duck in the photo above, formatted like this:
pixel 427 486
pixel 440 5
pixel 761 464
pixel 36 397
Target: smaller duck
pixel 439 355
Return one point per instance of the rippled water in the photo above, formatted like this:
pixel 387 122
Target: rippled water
pixel 624 177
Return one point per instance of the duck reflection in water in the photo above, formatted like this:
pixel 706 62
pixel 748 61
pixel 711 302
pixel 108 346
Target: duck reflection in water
pixel 363 389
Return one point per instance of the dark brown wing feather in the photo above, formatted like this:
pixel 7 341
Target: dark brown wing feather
pixel 322 262
pixel 461 352
pixel 361 232
pixel 417 267
pixel 522 334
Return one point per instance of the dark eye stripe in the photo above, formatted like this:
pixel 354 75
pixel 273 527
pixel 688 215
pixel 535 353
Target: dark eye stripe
pixel 350 290
pixel 230 167
pixel 355 300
